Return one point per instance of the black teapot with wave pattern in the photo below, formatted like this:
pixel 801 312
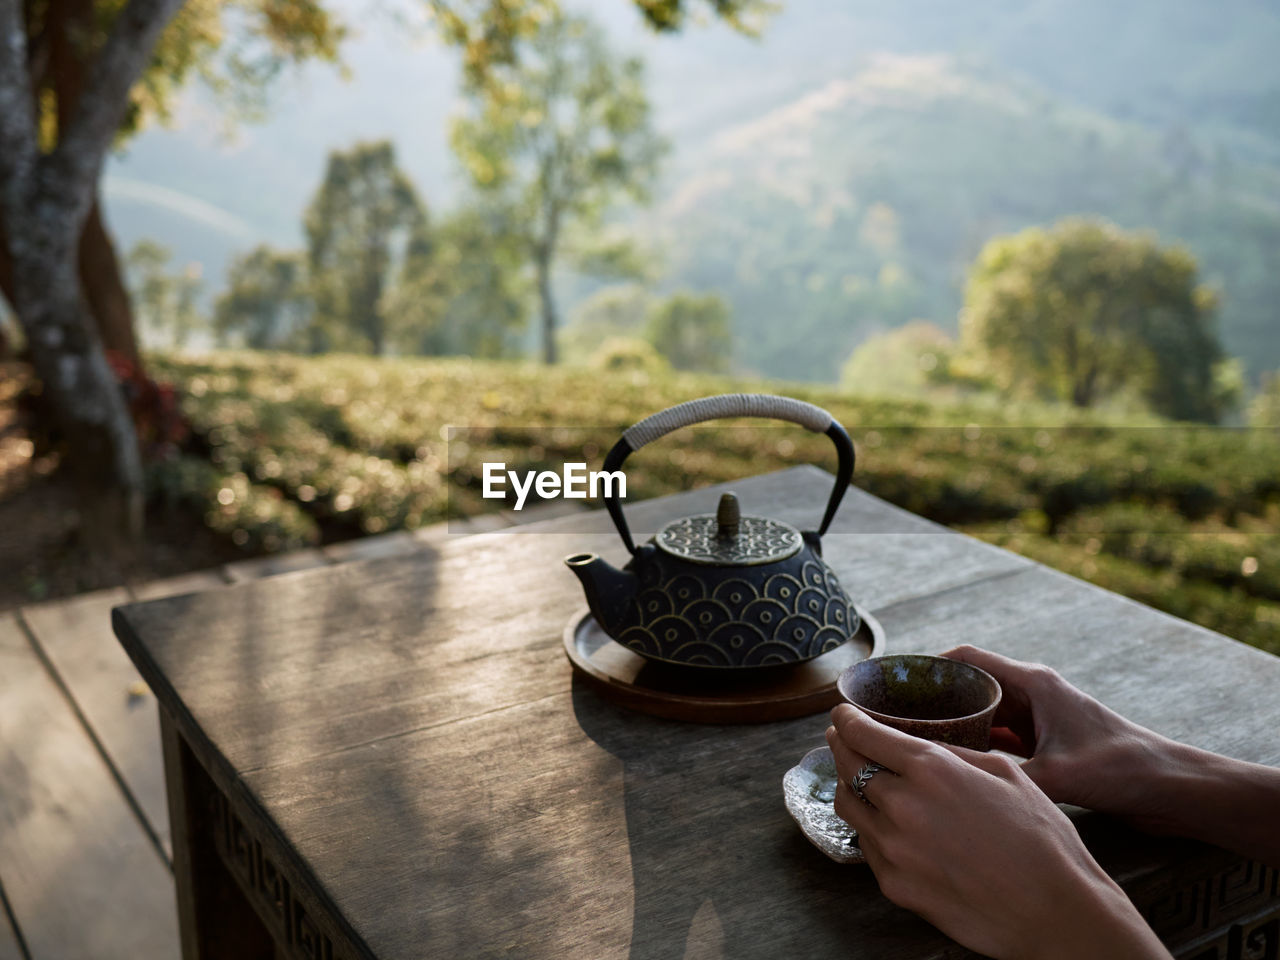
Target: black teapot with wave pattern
pixel 723 590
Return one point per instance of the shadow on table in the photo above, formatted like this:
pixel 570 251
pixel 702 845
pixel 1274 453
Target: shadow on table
pixel 706 822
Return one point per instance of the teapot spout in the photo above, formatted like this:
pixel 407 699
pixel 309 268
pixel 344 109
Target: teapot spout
pixel 608 589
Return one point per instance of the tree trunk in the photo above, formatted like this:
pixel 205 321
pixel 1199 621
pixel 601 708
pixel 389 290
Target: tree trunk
pixel 45 200
pixel 1085 389
pixel 6 288
pixel 6 268
pixel 104 287
pixel 79 385
pixel 70 22
pixel 542 261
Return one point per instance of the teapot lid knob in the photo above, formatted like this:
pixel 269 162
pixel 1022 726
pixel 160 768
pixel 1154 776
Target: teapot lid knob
pixel 727 516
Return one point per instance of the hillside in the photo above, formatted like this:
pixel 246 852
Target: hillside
pixel 832 177
pixel 291 451
pixel 860 205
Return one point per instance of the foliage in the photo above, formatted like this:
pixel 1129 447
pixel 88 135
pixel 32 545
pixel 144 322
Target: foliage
pixel 457 290
pixel 473 298
pixel 858 206
pixel 686 330
pixel 612 312
pixel 489 32
pixel 1264 411
pixel 1085 311
pixel 1183 518
pixel 236 47
pixel 366 229
pixel 629 355
pixel 906 360
pixel 1243 557
pixel 558 137
pixel 166 305
pixel 692 331
pixel 160 425
pixel 253 516
pixel 1227 610
pixel 266 305
pixel 611 253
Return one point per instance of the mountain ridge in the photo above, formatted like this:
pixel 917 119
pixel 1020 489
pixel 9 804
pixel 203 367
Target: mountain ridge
pixel 945 154
pixel 1168 117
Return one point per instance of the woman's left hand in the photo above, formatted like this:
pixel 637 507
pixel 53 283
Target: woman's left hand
pixel 967 841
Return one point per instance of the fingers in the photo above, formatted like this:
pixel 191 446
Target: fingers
pixel 847 805
pixel 1016 710
pixel 1017 674
pixel 896 750
pixel 993 663
pixel 864 820
pixel 852 810
pixel 848 762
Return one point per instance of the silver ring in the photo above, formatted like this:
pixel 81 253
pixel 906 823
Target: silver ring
pixel 862 778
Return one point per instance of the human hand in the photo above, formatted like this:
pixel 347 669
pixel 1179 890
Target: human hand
pixel 1084 753
pixel 1079 751
pixel 967 841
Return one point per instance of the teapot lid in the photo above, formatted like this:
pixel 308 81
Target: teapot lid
pixel 729 539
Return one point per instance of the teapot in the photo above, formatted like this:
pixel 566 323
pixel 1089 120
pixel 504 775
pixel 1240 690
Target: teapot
pixel 723 590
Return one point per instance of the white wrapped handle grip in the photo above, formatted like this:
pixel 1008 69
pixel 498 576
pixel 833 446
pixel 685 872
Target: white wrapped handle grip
pixel 727 405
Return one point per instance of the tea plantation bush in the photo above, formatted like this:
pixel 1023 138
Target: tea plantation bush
pixel 292 450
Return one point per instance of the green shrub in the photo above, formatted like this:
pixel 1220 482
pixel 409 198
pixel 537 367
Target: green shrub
pixel 256 518
pixel 629 354
pixel 1181 518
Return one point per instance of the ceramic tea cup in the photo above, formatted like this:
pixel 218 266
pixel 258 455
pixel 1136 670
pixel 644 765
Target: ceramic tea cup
pixel 929 697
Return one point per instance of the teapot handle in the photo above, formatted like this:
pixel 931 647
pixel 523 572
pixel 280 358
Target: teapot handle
pixel 657 425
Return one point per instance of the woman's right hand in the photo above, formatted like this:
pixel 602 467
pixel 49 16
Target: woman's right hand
pixel 1078 750
pixel 1084 753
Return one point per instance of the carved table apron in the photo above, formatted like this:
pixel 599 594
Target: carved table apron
pixel 392 759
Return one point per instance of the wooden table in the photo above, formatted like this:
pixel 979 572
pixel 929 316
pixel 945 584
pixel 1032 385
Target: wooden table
pixel 393 759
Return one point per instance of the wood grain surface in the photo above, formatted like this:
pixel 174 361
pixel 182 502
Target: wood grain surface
pixel 196 582
pixel 411 730
pixel 9 949
pixel 76 637
pixel 242 571
pixel 698 695
pixel 69 845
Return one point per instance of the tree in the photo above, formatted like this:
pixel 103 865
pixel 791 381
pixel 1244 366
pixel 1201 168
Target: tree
pixel 69 85
pixel 629 355
pixel 905 360
pixel 692 331
pixel 1085 311
pixel 166 303
pixel 613 312
pixel 1264 411
pixel 266 305
pixel 235 47
pixel 471 298
pixel 46 198
pixel 74 76
pixel 561 135
pixel 489 32
pixel 365 229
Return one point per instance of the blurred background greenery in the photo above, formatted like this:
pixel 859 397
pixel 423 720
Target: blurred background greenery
pixel 1026 253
